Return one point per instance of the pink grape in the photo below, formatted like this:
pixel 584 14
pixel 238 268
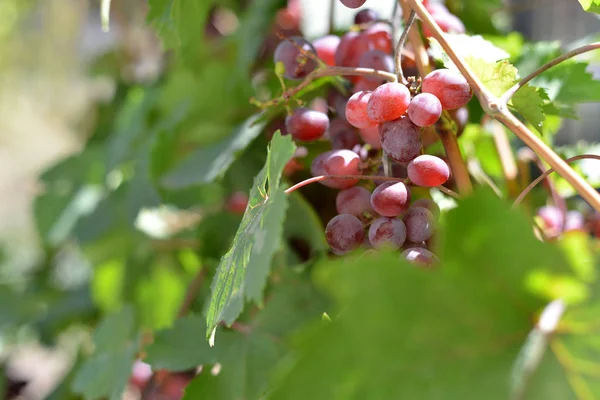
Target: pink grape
pixel 450 87
pixel 388 102
pixel 371 137
pixel 326 48
pixel 376 59
pixel 428 171
pixel 428 204
pixel 363 84
pixel 297 65
pixel 342 134
pixel 552 219
pixel 356 110
pixel 378 37
pixel 387 233
pixel 307 125
pixel 424 109
pixel 390 199
pixel 447 21
pixel 420 256
pixel 344 233
pixel 401 139
pixel 354 201
pixel 337 162
pixel 351 47
pixel 420 224
pixel 574 221
pixel 353 3
pixel 365 16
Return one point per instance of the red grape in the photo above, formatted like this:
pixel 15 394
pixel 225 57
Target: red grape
pixel 376 59
pixel 401 139
pixel 387 233
pixel 371 137
pixel 363 84
pixel 390 199
pixel 140 374
pixel 378 37
pixel 447 21
pixel 353 3
pixel 337 101
pixel 419 256
pixel 428 171
pixel 337 162
pixel 450 87
pixel 326 48
pixel 307 125
pixel 552 220
pixel 237 203
pixel 354 201
pixel 428 204
pixel 424 109
pixel 356 110
pixel 297 65
pixel 388 102
pixel 350 49
pixel 574 221
pixel 344 233
pixel 420 224
pixel 365 16
pixel 342 134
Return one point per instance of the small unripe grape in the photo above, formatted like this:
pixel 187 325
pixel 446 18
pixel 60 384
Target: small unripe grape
pixel 307 125
pixel 428 171
pixel 390 199
pixel 344 233
pixel 424 109
pixel 420 224
pixel 388 102
pixel 297 65
pixel 356 110
pixel 387 233
pixel 401 139
pixel 450 87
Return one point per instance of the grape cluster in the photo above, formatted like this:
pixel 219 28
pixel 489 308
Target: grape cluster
pixel 377 117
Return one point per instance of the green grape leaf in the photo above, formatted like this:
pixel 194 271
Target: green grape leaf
pixel 208 163
pixel 591 5
pixel 497 77
pixel 467 47
pixel 529 103
pixel 242 272
pixel 181 347
pixel 106 372
pixel 570 83
pixel 462 338
pixel 477 15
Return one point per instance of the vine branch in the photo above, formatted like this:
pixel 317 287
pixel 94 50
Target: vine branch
pixel 400 45
pixel 498 110
pixel 580 50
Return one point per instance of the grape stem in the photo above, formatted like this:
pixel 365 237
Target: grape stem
pixel 327 71
pixel 362 177
pixel 545 174
pixel 400 46
pixel 507 159
pixel 499 110
pixel 331 15
pixel 446 130
pixel 418 47
pixel 580 50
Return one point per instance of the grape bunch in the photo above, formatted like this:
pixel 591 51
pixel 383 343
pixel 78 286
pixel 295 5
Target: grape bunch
pixel 375 118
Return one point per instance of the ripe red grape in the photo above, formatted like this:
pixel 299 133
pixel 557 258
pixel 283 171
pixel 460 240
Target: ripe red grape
pixel 401 139
pixel 363 84
pixel 390 199
pixel 342 134
pixel 428 204
pixel 420 224
pixel 371 137
pixel 365 16
pixel 237 203
pixel 378 37
pixel 424 109
pixel 297 65
pixel 356 110
pixel 428 171
pixel 307 125
pixel 376 59
pixel 450 87
pixel 447 21
pixel 387 233
pixel 326 48
pixel 419 256
pixel 337 162
pixel 350 49
pixel 552 220
pixel 353 3
pixel 344 233
pixel 354 201
pixel 388 102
